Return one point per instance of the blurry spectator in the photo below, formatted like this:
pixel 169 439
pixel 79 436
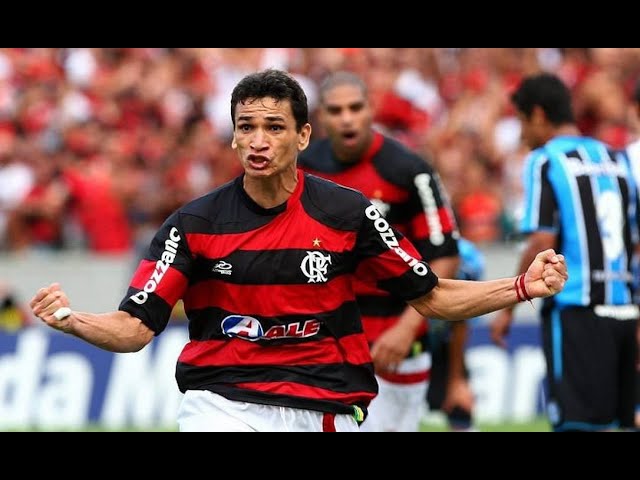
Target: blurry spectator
pixel 38 219
pixel 480 208
pixel 16 178
pixel 97 209
pixel 599 99
pixel 169 108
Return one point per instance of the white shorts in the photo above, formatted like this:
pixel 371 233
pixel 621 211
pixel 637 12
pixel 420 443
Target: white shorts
pixel 399 406
pixel 204 411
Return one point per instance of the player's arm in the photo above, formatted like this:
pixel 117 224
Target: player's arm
pixel 461 299
pixel 393 345
pixel 158 283
pixel 114 331
pixel 537 242
pixel 388 259
pixel 540 221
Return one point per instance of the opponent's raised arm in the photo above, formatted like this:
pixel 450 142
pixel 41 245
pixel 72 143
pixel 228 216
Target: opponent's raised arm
pixel 114 331
pixel 459 299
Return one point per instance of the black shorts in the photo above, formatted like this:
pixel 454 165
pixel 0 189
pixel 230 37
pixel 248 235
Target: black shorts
pixel 438 345
pixel 591 369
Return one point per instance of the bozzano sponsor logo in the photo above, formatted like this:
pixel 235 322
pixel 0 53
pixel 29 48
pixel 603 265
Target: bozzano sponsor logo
pixel 383 227
pixel 167 258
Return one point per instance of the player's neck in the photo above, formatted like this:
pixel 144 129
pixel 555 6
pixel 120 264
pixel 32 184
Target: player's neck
pixel 269 192
pixel 568 129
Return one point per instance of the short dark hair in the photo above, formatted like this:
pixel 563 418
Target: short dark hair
pixel 275 84
pixel 548 92
pixel 341 78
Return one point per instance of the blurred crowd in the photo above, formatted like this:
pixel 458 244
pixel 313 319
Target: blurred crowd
pixel 98 146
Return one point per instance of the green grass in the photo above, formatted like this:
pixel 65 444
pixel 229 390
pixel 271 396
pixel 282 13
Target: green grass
pixel 537 425
pixel 431 422
pixel 93 428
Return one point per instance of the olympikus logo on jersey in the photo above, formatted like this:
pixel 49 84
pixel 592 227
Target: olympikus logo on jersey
pixel 162 265
pixel 315 265
pixel 249 328
pixel 383 227
pixel 222 267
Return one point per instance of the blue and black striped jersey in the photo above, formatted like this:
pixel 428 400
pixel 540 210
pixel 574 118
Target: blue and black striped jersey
pixel 583 191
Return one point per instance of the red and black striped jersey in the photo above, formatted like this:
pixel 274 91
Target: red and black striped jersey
pixel 407 190
pixel 269 292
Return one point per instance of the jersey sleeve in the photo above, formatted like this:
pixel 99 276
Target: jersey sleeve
pixel 386 258
pixel 540 204
pixel 161 277
pixel 433 228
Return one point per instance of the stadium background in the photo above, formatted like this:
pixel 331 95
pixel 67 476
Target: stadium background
pixel 97 146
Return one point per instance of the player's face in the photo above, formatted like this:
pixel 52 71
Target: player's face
pixel 265 136
pixel 346 116
pixel 531 133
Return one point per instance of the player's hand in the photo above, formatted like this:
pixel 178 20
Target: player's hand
pixel 459 395
pixel 500 327
pixel 546 275
pixel 47 302
pixel 392 347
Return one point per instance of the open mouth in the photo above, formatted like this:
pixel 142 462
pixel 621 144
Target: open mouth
pixel 350 138
pixel 258 162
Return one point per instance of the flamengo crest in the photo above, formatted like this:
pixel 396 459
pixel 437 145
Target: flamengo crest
pixel 314 266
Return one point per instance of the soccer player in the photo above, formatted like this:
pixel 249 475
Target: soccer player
pixel 457 405
pixel 408 193
pixel 579 198
pixel 264 265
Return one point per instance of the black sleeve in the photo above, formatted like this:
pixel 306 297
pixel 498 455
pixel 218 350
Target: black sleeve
pixel 161 277
pixel 388 259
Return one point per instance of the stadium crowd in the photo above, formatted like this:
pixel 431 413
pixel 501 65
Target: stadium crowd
pixel 98 146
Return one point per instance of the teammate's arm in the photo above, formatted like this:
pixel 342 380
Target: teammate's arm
pixel 393 345
pixel 114 331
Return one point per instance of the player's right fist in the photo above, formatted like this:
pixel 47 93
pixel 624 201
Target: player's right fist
pixel 51 305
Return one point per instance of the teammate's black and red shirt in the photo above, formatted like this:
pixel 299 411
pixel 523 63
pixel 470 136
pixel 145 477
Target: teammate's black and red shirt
pixel 407 191
pixel 269 293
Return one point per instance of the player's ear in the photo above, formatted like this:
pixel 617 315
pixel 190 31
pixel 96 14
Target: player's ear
pixel 234 144
pixel 304 136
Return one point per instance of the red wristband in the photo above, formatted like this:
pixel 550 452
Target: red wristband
pixel 515 284
pixel 525 294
